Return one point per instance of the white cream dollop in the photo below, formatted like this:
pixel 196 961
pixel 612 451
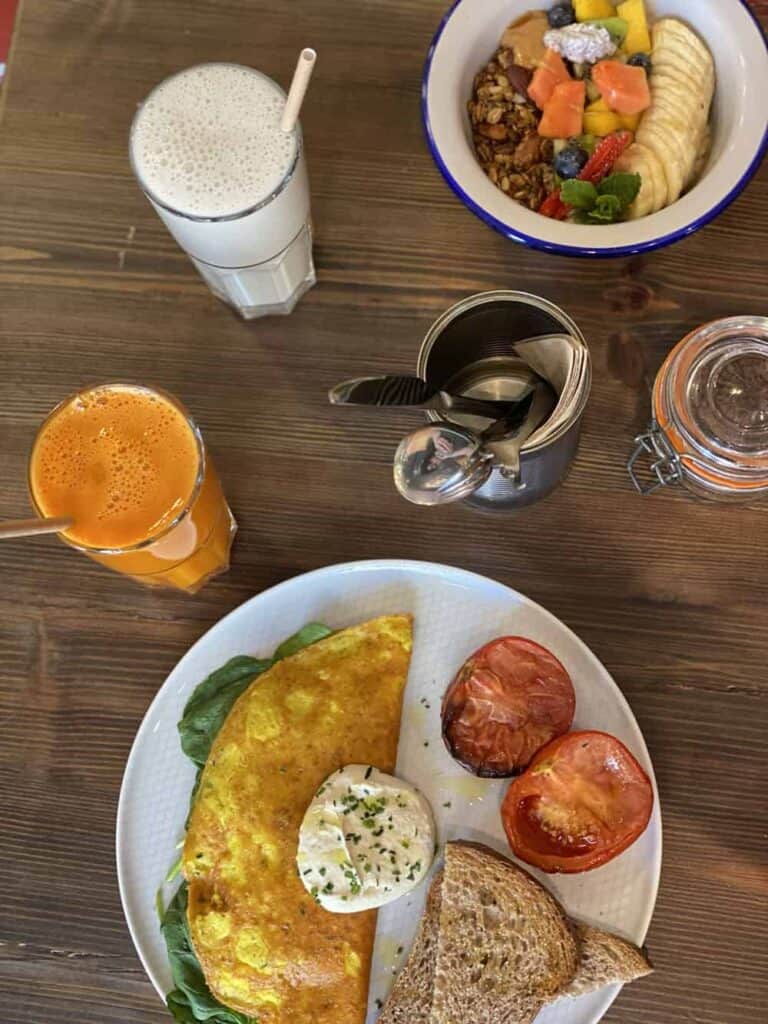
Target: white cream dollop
pixel 366 839
pixel 582 43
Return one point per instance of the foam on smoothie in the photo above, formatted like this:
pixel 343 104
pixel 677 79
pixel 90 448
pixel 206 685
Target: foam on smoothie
pixel 207 142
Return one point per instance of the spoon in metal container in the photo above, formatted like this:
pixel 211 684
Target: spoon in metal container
pixel 444 462
pixel 402 391
pixel 542 405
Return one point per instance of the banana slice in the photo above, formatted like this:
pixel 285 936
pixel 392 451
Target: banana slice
pixel 686 77
pixel 660 189
pixel 666 94
pixel 674 30
pixel 702 154
pixel 672 130
pixel 680 147
pixel 676 51
pixel 674 34
pixel 652 134
pixel 633 161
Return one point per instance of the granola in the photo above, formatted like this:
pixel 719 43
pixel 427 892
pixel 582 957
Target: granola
pixel 504 131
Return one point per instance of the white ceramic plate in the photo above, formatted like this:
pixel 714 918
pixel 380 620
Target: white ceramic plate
pixel 455 613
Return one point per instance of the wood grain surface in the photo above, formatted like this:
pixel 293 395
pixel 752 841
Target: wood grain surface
pixel 671 594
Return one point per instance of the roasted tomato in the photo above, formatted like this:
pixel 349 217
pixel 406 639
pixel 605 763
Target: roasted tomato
pixel 508 700
pixel 581 803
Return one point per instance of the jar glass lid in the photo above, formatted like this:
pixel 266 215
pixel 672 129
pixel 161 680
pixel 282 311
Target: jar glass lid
pixel 711 399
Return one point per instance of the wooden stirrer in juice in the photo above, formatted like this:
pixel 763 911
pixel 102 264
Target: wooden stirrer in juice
pixel 33 527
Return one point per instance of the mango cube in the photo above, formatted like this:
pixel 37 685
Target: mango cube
pixel 588 10
pixel 638 38
pixel 600 120
pixel 602 124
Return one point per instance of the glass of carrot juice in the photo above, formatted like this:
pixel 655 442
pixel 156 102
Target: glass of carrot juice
pixel 127 464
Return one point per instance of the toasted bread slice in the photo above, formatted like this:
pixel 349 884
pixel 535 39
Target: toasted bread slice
pixel 410 1001
pixel 603 959
pixel 504 945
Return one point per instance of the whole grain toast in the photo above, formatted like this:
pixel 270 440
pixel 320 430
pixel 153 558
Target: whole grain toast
pixel 504 944
pixel 602 958
pixel 605 959
pixel 410 1001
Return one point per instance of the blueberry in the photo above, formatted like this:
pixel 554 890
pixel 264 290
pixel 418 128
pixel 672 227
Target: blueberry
pixel 561 15
pixel 641 60
pixel 570 161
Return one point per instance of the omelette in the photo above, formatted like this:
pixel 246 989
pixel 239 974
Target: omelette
pixel 266 947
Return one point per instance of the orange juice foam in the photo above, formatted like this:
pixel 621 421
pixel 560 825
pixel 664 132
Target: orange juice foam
pixel 120 460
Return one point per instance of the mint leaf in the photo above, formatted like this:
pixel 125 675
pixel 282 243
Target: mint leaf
pixel 606 210
pixel 581 195
pixel 625 187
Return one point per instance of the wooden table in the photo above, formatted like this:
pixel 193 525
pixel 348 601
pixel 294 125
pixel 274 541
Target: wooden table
pixel 670 594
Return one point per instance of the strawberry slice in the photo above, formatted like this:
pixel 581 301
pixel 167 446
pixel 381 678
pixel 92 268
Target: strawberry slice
pixel 554 207
pixel 599 165
pixel 605 156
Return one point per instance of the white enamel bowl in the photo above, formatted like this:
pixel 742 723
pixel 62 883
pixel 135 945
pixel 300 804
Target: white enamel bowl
pixel 467 37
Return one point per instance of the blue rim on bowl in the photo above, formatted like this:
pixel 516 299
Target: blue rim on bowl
pixel 572 250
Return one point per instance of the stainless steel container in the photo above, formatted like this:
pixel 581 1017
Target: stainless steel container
pixel 470 347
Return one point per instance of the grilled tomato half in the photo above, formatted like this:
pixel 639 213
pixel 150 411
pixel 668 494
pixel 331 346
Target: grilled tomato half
pixel 583 800
pixel 507 701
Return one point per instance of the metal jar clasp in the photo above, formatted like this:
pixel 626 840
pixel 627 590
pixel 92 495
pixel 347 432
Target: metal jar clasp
pixel 665 467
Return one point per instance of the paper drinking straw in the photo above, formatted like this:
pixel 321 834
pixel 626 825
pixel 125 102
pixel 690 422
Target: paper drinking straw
pixel 301 76
pixel 33 527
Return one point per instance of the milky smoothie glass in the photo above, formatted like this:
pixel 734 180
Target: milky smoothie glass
pixel 230 185
pixel 128 465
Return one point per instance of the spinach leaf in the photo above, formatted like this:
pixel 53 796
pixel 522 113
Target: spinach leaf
pixel 191 1001
pixel 212 699
pixel 306 636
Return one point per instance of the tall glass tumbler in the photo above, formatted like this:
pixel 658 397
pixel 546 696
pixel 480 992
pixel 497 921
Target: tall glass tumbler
pixel 232 188
pixel 128 465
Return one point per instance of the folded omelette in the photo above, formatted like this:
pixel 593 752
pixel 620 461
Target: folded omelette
pixel 266 948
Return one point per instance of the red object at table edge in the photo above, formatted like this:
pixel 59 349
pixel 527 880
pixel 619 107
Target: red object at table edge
pixel 7 16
